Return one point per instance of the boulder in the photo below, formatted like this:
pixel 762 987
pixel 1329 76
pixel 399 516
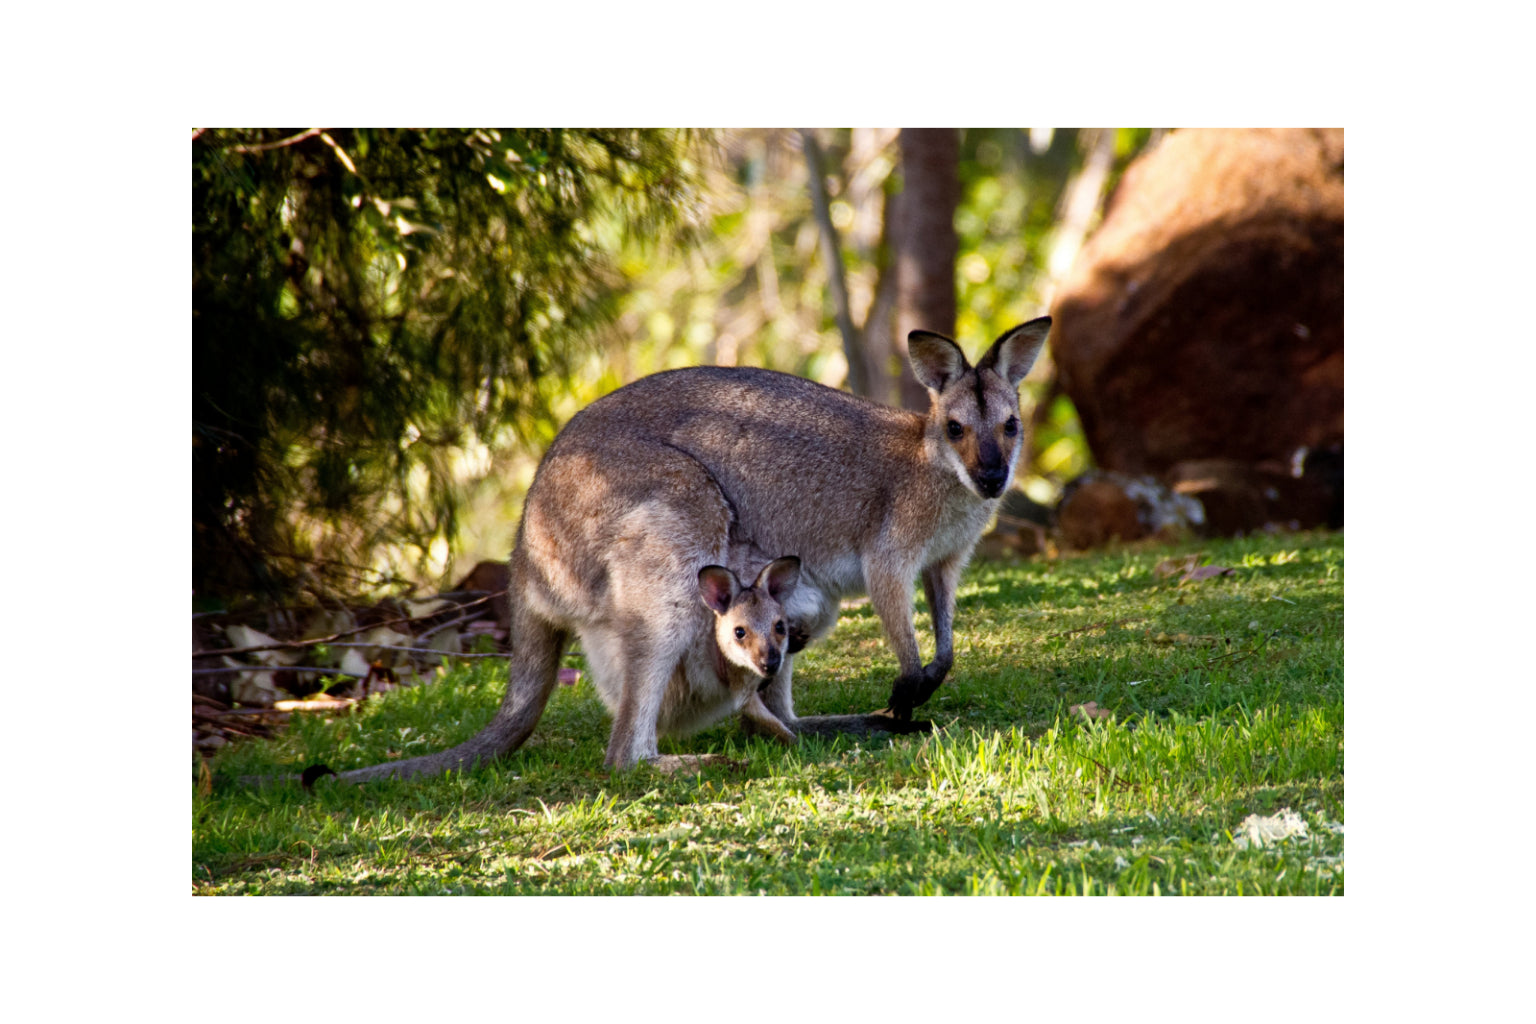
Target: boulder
pixel 1205 318
pixel 1099 507
pixel 1240 497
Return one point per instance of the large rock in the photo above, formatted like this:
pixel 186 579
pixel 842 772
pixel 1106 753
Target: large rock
pixel 1205 318
pixel 1099 507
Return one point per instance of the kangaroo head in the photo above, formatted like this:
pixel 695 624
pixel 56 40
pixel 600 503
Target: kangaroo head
pixel 974 416
pixel 749 621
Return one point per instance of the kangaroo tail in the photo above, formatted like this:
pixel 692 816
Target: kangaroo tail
pixel 535 662
pixel 874 724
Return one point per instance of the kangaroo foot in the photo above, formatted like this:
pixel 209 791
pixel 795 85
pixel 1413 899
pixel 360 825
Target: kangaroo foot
pixel 912 691
pixel 903 697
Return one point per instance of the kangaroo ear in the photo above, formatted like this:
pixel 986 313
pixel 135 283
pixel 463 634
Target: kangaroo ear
pixel 779 577
pixel 936 361
pixel 1011 355
pixel 718 587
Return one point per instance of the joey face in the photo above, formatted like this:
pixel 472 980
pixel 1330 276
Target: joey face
pixel 974 417
pixel 753 634
pixel 749 621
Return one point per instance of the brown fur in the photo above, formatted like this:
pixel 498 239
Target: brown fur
pixel 676 471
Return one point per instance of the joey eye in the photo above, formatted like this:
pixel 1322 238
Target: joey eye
pixel 1012 426
pixel 778 627
pixel 956 431
pixel 741 634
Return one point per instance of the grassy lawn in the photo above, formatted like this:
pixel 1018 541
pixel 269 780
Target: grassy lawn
pixel 1227 696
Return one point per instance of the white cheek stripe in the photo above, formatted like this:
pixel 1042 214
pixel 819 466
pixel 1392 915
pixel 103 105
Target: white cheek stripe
pixel 958 467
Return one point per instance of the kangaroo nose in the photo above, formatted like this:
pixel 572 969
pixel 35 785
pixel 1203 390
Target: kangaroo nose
pixel 771 665
pixel 990 482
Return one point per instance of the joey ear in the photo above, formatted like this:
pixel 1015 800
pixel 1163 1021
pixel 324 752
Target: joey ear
pixel 1011 355
pixel 718 587
pixel 936 361
pixel 779 577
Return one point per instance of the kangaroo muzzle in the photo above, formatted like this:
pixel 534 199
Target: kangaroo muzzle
pixel 990 480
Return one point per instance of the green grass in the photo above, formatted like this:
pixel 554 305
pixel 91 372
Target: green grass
pixel 1228 697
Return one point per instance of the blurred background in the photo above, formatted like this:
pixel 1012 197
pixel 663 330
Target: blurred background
pixel 390 325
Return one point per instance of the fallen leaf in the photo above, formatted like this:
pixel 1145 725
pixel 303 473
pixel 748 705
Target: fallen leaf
pixel 1174 566
pixel 1260 831
pixel 1189 569
pixel 569 676
pixel 1090 710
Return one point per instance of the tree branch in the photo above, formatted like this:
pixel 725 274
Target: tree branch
pixel 340 153
pixel 283 646
pixel 227 670
pixel 262 147
pixel 1080 200
pixel 837 276
pixel 224 670
pixel 426 650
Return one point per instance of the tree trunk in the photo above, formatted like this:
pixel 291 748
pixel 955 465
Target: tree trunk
pixel 926 243
pixel 837 274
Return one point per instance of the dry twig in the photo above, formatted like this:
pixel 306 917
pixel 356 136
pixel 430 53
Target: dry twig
pixel 290 644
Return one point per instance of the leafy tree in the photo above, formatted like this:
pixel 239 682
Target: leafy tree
pixel 371 308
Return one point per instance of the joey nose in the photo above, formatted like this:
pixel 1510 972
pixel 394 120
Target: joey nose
pixel 771 663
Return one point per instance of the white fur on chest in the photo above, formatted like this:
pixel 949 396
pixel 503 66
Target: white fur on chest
pixel 960 525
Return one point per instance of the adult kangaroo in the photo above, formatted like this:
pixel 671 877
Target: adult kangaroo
pixel 674 472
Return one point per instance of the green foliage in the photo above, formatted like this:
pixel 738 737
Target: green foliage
pixel 1227 698
pixel 1009 218
pixel 372 308
pixel 390 325
pixel 749 288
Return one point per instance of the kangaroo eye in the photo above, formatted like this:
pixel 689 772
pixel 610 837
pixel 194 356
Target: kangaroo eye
pixel 741 634
pixel 956 431
pixel 1012 426
pixel 778 627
